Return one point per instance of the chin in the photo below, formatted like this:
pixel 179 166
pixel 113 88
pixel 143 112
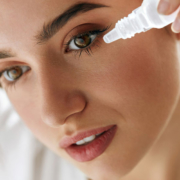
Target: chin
pixel 108 168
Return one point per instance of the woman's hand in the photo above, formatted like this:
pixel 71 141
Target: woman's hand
pixel 167 7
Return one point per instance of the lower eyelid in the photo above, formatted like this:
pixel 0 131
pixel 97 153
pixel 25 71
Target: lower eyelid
pixel 72 43
pixel 91 45
pixel 66 49
pixel 87 49
pixel 5 81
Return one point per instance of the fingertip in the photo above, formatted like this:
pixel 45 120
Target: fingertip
pixel 174 29
pixel 176 24
pixel 163 7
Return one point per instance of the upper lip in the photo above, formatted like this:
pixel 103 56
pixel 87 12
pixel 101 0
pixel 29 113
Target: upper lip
pixel 67 141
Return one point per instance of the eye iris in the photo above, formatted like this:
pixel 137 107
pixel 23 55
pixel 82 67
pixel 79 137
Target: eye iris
pixel 14 73
pixel 82 41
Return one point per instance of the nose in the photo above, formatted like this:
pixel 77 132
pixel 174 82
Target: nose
pixel 59 97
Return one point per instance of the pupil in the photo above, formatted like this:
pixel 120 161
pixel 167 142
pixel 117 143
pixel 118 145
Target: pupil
pixel 82 41
pixel 14 73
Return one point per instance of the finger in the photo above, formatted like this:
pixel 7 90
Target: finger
pixel 176 24
pixel 167 7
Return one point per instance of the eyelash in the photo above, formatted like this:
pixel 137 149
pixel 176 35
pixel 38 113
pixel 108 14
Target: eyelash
pixel 11 83
pixel 97 32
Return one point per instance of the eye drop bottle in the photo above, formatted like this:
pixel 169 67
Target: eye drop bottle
pixel 140 20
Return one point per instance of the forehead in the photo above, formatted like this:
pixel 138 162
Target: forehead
pixel 20 20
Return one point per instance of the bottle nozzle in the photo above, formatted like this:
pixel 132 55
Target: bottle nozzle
pixel 111 36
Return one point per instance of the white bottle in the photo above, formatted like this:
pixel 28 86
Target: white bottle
pixel 140 20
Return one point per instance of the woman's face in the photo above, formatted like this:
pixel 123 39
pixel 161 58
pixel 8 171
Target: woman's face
pixel 59 93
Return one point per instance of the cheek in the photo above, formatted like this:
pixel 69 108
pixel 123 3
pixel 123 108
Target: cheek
pixel 141 73
pixel 28 109
pixel 141 83
pixel 142 80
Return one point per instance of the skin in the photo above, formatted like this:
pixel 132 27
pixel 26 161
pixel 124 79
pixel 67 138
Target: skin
pixel 132 83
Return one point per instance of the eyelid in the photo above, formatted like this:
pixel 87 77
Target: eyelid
pixel 75 36
pixel 79 35
pixel 23 68
pixel 72 43
pixel 97 31
pixel 9 68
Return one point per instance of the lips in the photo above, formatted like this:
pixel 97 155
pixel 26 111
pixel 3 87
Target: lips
pixel 91 150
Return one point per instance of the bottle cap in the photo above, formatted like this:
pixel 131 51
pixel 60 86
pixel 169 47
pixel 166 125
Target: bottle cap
pixel 111 36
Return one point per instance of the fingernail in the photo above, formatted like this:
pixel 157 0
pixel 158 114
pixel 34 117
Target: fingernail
pixel 163 6
pixel 176 25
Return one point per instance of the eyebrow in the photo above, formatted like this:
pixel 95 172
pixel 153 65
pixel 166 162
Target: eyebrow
pixel 6 54
pixel 52 27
